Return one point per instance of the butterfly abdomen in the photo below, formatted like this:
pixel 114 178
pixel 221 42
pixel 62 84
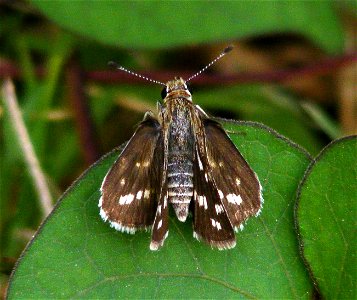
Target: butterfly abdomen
pixel 180 162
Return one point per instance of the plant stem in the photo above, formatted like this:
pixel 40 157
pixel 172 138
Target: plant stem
pixel 37 175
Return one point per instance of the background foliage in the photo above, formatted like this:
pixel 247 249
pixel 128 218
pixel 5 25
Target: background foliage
pixel 58 51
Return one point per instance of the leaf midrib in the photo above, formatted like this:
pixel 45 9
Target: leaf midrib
pixel 182 275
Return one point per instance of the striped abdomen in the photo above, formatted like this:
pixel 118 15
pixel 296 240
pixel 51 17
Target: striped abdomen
pixel 180 162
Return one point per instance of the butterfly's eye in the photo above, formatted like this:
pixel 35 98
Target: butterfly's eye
pixel 163 93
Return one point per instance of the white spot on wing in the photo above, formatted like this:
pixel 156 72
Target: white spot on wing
pixel 146 194
pixel 237 181
pixel 137 164
pixel 219 208
pixel 212 162
pixel 122 200
pixel 126 199
pixel 122 181
pixel 216 224
pixel 199 162
pixel 130 198
pixel 139 195
pixel 202 201
pixel 159 224
pixel 234 199
pixel 220 193
pixel 205 202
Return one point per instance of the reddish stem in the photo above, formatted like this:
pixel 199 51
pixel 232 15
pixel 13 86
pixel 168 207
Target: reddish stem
pixel 113 76
pixel 82 114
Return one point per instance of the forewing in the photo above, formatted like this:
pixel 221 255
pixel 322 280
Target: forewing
pixel 210 221
pixel 238 186
pixel 131 187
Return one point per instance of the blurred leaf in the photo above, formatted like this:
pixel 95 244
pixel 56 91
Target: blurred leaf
pixel 26 63
pixel 76 255
pixel 162 24
pixel 41 99
pixel 322 120
pixel 326 215
pixel 268 106
pixel 61 159
pixel 348 6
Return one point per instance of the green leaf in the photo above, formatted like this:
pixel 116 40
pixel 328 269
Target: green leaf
pixel 161 24
pixel 76 255
pixel 326 215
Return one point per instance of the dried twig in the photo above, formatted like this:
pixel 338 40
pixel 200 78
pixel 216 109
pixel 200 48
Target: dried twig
pixel 31 160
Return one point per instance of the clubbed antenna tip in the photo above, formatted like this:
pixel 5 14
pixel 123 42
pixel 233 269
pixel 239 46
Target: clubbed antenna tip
pixel 113 64
pixel 228 49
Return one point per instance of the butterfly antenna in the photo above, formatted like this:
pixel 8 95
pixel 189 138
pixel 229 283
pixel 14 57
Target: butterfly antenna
pixel 223 53
pixel 121 68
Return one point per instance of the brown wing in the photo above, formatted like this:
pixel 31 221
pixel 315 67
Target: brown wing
pixel 210 221
pixel 237 185
pixel 131 187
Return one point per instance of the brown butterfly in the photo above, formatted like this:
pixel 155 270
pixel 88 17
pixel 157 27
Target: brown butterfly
pixel 185 159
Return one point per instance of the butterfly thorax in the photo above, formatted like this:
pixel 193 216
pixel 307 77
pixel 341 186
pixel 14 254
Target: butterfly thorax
pixel 178 113
pixel 176 89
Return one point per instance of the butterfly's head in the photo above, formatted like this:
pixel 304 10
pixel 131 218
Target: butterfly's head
pixel 176 88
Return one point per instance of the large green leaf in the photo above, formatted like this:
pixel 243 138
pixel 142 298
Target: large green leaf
pixel 326 215
pixel 153 24
pixel 75 254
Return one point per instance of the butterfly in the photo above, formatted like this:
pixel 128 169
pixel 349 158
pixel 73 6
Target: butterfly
pixel 181 158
